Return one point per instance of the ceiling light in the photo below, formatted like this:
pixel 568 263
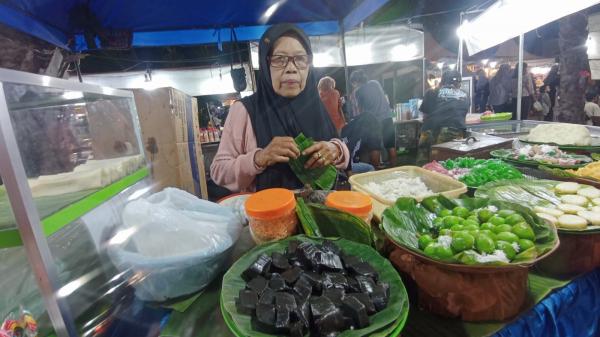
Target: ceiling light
pixel 505 20
pixel 404 52
pixel 321 60
pixel 270 11
pixel 359 54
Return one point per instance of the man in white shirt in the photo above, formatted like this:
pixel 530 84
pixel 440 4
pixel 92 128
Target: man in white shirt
pixel 591 107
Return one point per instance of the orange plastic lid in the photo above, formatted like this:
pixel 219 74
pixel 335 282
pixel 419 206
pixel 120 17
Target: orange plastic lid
pixel 270 203
pixel 351 202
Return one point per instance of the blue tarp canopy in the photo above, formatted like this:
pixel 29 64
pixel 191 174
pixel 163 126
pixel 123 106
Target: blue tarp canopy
pixel 180 22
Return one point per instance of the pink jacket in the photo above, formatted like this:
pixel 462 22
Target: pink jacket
pixel 233 166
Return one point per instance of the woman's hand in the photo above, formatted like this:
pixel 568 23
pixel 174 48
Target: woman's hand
pixel 321 154
pixel 279 150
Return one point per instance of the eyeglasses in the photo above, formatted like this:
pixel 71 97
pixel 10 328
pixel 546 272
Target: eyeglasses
pixel 282 61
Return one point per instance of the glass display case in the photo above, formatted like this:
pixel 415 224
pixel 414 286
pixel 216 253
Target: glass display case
pixel 514 129
pixel 70 158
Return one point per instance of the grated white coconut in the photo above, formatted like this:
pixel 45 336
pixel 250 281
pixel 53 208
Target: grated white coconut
pixel 400 187
pixel 492 208
pixel 516 246
pixel 498 256
pixel 560 133
pixel 445 241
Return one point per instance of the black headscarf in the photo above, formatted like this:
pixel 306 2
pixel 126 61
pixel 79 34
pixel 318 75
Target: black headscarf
pixel 276 116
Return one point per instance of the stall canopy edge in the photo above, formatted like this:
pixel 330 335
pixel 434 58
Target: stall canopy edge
pixel 64 23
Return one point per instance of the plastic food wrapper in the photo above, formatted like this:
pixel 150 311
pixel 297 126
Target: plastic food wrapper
pixel 470 294
pixel 21 324
pixel 236 204
pixel 173 242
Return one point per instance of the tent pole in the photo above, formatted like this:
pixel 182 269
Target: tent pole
pixel 344 63
pixel 424 64
pixel 459 62
pixel 78 69
pixel 251 66
pixel 424 78
pixel 520 77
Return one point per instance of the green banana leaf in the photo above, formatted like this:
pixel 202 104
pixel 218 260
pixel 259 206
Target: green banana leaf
pixel 392 330
pixel 506 155
pixel 309 225
pixel 404 221
pixel 397 308
pixel 563 174
pixel 320 178
pixel 499 116
pixel 557 172
pixel 322 221
pixel 379 239
pixel 530 193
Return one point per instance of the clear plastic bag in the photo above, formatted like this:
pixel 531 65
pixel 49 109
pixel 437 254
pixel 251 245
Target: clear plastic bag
pixel 236 204
pixel 175 243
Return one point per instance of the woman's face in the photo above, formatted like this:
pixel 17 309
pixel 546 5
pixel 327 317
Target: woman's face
pixel 288 81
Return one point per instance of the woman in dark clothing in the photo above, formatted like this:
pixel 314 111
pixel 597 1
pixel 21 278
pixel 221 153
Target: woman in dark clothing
pixel 500 88
pixel 258 138
pixel 371 99
pixel 482 91
pixel 528 93
pixel 358 78
pixel 553 82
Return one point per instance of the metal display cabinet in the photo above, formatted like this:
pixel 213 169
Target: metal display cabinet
pixel 514 129
pixel 70 158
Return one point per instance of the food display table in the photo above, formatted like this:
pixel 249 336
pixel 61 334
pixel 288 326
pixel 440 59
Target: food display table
pixel 557 311
pixel 477 146
pixel 514 129
pixel 555 307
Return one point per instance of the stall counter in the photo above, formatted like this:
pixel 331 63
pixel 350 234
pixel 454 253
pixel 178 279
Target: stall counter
pixel 552 297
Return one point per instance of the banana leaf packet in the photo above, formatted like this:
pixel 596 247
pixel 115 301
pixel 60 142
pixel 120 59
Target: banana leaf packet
pixel 322 221
pixel 322 178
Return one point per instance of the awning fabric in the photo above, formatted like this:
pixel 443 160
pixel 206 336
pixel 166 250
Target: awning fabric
pixel 178 22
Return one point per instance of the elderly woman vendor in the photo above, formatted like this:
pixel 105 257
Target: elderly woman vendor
pixel 258 139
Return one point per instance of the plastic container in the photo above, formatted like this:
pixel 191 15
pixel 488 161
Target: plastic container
pixel 271 214
pixel 355 203
pixel 436 182
pixel 175 243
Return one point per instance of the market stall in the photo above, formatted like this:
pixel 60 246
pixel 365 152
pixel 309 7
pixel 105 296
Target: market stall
pixel 497 236
pixel 522 296
pixel 408 218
